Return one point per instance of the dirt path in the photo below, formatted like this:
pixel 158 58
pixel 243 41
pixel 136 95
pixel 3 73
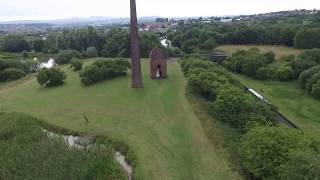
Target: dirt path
pixel 5 87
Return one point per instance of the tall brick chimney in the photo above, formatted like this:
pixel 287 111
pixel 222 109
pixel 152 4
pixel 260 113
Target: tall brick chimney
pixel 135 48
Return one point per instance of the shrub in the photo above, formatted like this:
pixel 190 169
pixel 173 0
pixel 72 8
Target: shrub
pixel 91 52
pixel 305 61
pixel 11 74
pixel 9 63
pixel 284 73
pixel 265 150
pixel 104 69
pixel 51 77
pixel 269 57
pixel 315 91
pixel 65 56
pixel 303 165
pixel 240 110
pixel 308 74
pixel 264 73
pixel 76 64
pixel 249 62
pixel 310 80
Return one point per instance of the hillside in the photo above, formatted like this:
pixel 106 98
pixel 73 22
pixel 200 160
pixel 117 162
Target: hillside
pixel 157 122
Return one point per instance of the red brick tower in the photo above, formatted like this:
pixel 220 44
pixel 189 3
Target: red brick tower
pixel 135 49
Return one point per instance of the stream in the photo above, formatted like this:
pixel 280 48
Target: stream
pixel 82 143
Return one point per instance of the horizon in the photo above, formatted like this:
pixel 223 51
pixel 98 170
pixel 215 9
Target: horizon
pixel 36 10
pixel 27 18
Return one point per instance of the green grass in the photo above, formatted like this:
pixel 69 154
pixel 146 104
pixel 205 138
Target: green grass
pixel 280 51
pixel 157 122
pixel 27 153
pixel 294 103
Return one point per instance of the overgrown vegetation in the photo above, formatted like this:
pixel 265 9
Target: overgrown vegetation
pixel 76 64
pixel 27 153
pixel 51 77
pixel 263 66
pixel 103 70
pixel 266 151
pixel 65 56
pixel 265 148
pixel 229 102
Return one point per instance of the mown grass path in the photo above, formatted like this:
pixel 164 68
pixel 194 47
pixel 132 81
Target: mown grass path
pixel 157 122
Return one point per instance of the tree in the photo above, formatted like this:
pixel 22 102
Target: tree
pixel 91 52
pixel 149 40
pixel 307 38
pixel 117 43
pixel 265 150
pixel 51 77
pixel 65 56
pixel 15 43
pixel 39 45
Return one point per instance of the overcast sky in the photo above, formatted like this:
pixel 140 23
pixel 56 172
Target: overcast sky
pixel 56 9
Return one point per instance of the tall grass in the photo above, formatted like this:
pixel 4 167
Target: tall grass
pixel 27 153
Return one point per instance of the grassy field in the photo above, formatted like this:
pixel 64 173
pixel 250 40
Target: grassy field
pixel 280 51
pixel 157 122
pixel 294 103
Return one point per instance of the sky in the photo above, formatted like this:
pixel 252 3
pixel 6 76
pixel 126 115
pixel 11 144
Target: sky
pixel 57 9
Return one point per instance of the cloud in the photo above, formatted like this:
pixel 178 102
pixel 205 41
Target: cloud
pixel 42 9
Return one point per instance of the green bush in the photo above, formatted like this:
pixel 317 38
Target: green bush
pixel 310 80
pixel 264 73
pixel 265 150
pixel 11 74
pixel 306 75
pixel 249 62
pixel 92 52
pixel 51 77
pixel 103 70
pixel 9 63
pixel 241 110
pixel 65 56
pixel 284 73
pixel 305 61
pixel 76 64
pixel 315 91
pixel 270 57
pixel 302 165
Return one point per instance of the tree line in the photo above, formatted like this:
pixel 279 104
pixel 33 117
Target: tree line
pixel 262 66
pixel 114 42
pixel 290 31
